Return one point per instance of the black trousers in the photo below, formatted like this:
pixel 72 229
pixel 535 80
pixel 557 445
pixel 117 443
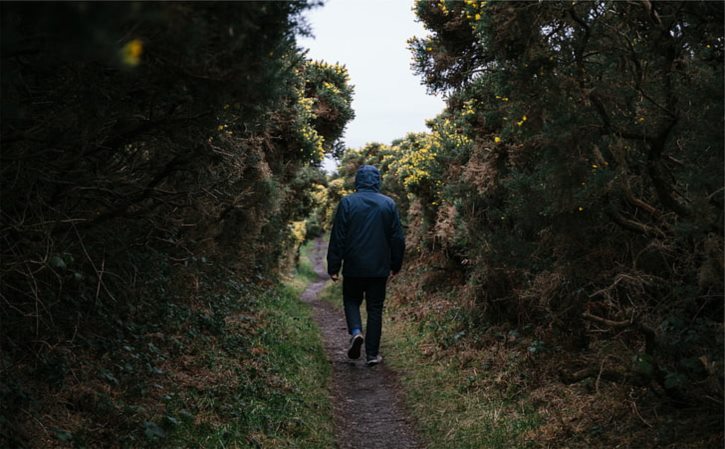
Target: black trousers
pixel 372 290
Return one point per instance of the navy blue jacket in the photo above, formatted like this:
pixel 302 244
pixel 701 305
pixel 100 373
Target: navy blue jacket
pixel 367 239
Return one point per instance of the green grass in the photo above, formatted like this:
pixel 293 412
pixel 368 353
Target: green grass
pixel 304 272
pixel 273 389
pixel 451 411
pixel 305 268
pixel 299 402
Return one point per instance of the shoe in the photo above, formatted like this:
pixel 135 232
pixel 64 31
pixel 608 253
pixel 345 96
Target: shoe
pixel 375 360
pixel 356 342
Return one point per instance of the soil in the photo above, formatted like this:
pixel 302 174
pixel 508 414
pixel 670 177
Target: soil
pixel 367 405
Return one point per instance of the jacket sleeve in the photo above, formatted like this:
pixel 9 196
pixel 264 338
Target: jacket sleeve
pixel 397 243
pixel 336 248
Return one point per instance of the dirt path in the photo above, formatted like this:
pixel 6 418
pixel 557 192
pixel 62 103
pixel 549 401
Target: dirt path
pixel 367 409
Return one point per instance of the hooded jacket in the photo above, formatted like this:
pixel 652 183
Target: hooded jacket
pixel 367 239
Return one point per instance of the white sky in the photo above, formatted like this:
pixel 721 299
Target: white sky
pixel 369 38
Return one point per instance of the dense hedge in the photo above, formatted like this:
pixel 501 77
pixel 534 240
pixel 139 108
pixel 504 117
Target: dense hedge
pixel 146 147
pixel 575 180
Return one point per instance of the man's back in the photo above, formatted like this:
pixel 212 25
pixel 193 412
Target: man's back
pixel 366 233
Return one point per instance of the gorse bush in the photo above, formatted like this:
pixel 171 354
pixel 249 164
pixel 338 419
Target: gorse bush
pixel 575 178
pixel 146 147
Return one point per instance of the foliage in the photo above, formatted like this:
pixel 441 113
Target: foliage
pixel 585 142
pixel 329 86
pixel 574 182
pixel 210 372
pixel 145 146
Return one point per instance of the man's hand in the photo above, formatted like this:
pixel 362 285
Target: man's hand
pixel 335 277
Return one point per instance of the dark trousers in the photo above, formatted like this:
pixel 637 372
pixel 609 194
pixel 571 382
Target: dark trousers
pixel 372 290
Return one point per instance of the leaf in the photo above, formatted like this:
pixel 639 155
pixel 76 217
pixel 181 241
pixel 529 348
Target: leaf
pixel 63 435
pixel 536 346
pixel 152 431
pixel 68 258
pixel 57 262
pixel 186 415
pixel 675 380
pixel 459 335
pixel 171 420
pixel 108 376
pixel 642 364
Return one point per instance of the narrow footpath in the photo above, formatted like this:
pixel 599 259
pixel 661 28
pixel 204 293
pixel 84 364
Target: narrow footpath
pixel 367 407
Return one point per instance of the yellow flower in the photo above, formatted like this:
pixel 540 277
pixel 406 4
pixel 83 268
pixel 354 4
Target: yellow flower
pixel 581 209
pixel 477 16
pixel 595 166
pixel 524 118
pixel 131 52
pixel 497 139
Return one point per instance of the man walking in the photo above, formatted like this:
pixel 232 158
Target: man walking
pixel 367 241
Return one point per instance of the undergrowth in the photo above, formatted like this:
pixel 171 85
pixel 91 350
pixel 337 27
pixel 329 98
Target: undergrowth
pixel 278 400
pixel 238 366
pixel 472 383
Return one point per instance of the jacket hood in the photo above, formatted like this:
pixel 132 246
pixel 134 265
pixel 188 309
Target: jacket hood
pixel 367 177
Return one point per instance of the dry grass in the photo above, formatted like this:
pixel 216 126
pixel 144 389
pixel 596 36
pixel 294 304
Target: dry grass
pixel 500 375
pixel 232 385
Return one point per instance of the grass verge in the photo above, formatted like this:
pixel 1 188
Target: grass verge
pixel 445 396
pixel 267 391
pixel 274 393
pixel 240 365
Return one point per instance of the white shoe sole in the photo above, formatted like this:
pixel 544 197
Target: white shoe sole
pixel 377 360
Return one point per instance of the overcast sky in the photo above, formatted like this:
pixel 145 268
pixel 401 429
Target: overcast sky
pixel 369 38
